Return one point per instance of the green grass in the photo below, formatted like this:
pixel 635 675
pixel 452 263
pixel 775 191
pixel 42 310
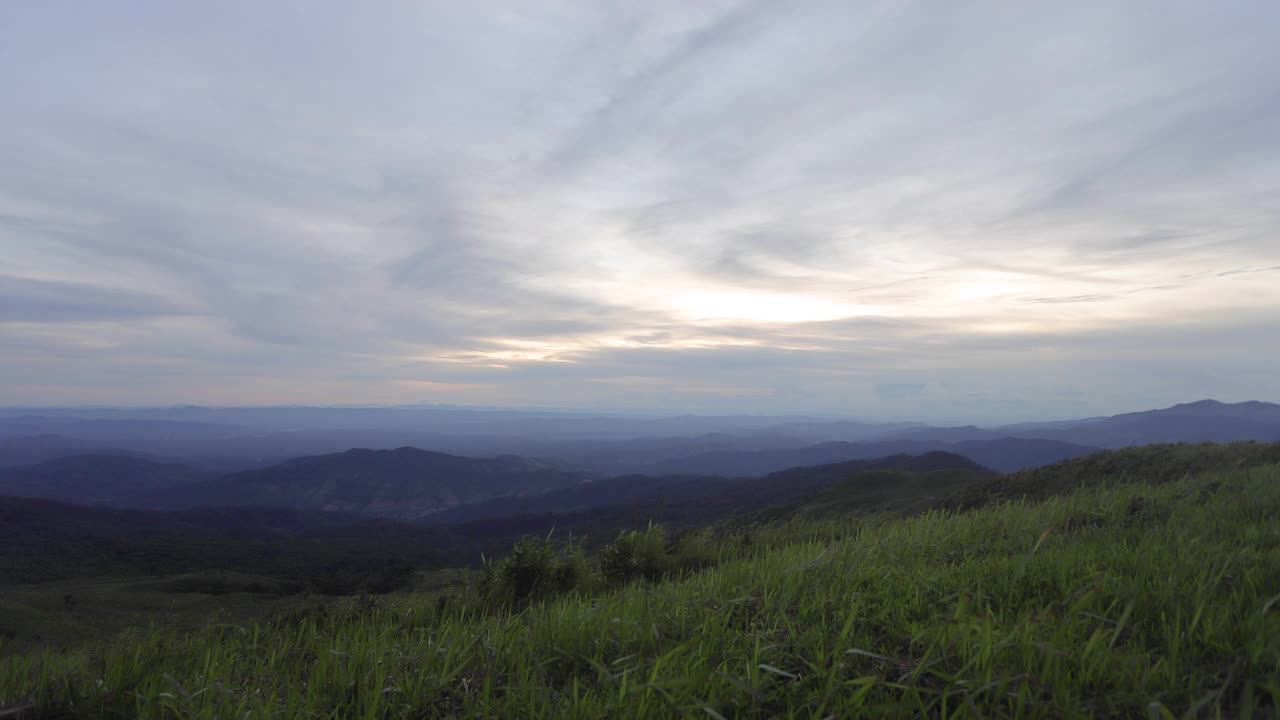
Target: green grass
pixel 72 614
pixel 1139 600
pixel 1147 464
pixel 67 615
pixel 874 491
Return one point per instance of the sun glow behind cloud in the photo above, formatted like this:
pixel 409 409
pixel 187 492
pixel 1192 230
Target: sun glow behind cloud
pixel 763 307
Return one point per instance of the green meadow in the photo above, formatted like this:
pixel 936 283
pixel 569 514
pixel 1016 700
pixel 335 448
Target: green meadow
pixel 1119 599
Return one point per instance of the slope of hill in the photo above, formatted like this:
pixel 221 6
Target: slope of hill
pixel 406 483
pixel 118 480
pixel 1140 600
pixel 603 508
pixel 33 520
pixel 21 450
pixel 1150 464
pixel 872 491
pixel 1002 454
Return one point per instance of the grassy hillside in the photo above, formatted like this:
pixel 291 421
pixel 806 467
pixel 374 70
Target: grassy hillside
pixel 875 491
pixel 1131 600
pixel 602 509
pixel 1146 464
pixel 65 615
pixel 73 615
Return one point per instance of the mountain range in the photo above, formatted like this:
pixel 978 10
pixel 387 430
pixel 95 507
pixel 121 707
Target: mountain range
pixel 405 483
pixel 895 484
pixel 228 440
pixel 98 479
pixel 1002 454
pixel 731 465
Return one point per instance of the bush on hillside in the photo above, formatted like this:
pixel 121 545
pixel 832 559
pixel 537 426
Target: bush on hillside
pixel 649 554
pixel 692 550
pixel 535 569
pixel 636 554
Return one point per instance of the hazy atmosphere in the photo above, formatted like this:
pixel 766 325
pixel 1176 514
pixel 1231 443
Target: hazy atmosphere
pixel 1003 211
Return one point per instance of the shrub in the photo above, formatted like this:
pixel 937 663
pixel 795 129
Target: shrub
pixel 636 554
pixel 534 569
pixel 692 551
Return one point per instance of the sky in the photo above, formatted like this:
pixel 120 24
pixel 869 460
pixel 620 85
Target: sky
pixel 994 211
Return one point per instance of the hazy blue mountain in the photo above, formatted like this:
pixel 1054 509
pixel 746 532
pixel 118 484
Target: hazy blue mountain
pixel 17 450
pixel 229 440
pixel 958 434
pixel 28 517
pixel 232 439
pixel 705 494
pixel 1202 421
pixel 857 486
pixel 1009 454
pixel 97 479
pixel 94 428
pixel 403 483
pixel 440 420
pixel 1002 454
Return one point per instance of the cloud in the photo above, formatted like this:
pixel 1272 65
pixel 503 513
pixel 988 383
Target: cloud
pixel 27 300
pixel 772 207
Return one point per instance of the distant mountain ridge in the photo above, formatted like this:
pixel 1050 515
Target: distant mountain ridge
pixel 1249 408
pixel 840 488
pixel 117 480
pixel 408 483
pixel 22 518
pixel 1006 448
pixel 1200 421
pixel 405 483
pixel 1002 454
pixel 675 492
pixel 24 450
pixel 226 440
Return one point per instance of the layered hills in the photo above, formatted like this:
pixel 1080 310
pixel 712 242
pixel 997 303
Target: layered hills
pixel 406 483
pixel 227 440
pixel 118 480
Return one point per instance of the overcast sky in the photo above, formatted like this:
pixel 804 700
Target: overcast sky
pixel 935 210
